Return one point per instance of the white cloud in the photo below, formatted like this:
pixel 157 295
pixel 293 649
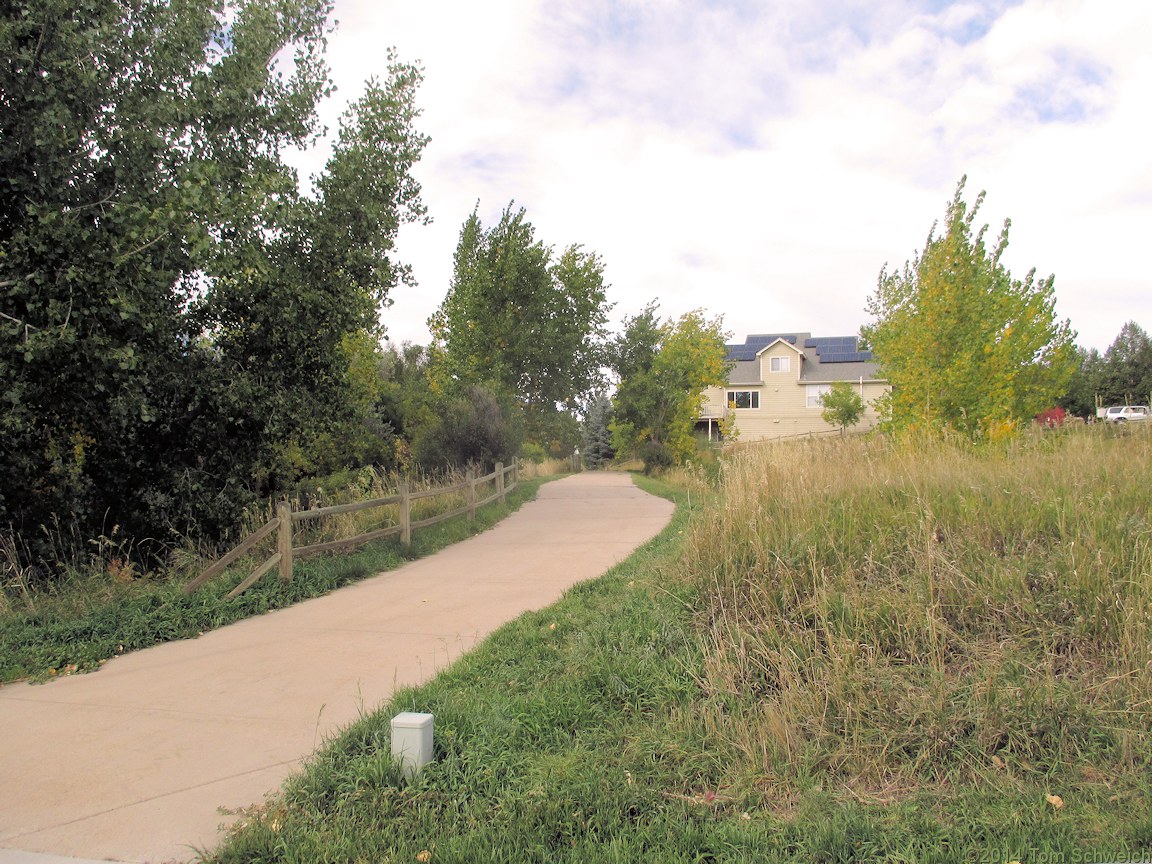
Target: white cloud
pixel 765 165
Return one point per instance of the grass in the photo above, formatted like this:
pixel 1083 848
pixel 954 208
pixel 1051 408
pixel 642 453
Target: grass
pixel 933 631
pixel 98 616
pixel 912 619
pixel 843 651
pixel 549 743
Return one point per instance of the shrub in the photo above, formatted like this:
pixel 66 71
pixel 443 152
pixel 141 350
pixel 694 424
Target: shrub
pixel 533 452
pixel 657 457
pixel 473 429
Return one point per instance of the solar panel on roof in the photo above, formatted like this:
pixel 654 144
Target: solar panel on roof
pixel 829 340
pixel 741 353
pixel 831 343
pixel 846 357
pixel 763 339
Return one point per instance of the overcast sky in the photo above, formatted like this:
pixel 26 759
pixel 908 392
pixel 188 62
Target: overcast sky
pixel 764 160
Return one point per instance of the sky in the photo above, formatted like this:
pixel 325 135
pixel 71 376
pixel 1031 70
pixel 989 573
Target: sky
pixel 763 161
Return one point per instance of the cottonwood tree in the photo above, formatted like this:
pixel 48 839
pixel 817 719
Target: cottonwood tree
pixel 663 369
pixel 843 406
pixel 173 309
pixel 521 320
pixel 964 344
pixel 310 307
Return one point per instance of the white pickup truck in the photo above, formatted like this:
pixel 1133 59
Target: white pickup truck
pixel 1124 413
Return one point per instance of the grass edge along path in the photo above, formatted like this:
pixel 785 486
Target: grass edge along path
pixel 43 644
pixel 548 741
pixel 576 733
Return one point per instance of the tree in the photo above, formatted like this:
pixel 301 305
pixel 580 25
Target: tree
pixel 1122 375
pixel 310 308
pixel 597 441
pixel 1126 374
pixel 174 313
pixel 520 320
pixel 663 370
pixel 964 345
pixel 1084 387
pixel 843 406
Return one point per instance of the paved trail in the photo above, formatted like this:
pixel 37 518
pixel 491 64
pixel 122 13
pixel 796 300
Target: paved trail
pixel 134 763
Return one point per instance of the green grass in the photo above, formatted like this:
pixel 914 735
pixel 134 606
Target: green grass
pixel 845 652
pixel 93 619
pixel 553 744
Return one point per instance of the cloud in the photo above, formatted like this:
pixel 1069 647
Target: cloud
pixel 764 161
pixel 1070 89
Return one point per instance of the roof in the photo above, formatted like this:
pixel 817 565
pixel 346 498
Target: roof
pixel 824 358
pixel 745 372
pixel 753 345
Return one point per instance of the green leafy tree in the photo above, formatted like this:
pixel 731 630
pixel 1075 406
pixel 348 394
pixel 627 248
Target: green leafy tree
pixel 843 406
pixel 1123 374
pixel 1084 387
pixel 405 400
pixel 663 369
pixel 309 309
pixel 174 314
pixel 965 345
pixel 520 320
pixel 1126 371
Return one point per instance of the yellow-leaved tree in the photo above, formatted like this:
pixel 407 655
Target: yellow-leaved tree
pixel 966 346
pixel 663 369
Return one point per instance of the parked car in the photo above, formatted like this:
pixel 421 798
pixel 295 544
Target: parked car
pixel 1124 413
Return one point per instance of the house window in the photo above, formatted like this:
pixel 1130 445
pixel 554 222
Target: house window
pixel 779 364
pixel 815 391
pixel 744 398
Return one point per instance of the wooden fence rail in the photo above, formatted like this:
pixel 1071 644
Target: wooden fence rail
pixel 286 554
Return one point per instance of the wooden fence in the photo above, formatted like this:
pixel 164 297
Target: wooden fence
pixel 282 523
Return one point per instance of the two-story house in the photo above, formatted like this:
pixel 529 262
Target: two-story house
pixel 777 380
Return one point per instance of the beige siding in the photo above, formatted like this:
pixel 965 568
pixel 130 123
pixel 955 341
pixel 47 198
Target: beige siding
pixel 713 403
pixel 783 408
pixel 780 350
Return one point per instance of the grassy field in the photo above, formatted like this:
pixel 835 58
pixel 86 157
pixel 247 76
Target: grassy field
pixel 839 651
pixel 955 646
pixel 96 613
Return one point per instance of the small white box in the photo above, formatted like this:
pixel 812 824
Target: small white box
pixel 412 741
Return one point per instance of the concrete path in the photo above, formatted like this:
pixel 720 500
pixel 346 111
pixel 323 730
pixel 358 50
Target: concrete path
pixel 142 760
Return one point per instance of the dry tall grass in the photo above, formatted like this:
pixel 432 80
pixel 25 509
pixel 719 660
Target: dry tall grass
pixel 544 468
pixel 889 618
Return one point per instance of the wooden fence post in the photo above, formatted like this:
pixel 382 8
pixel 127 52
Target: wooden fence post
pixel 405 515
pixel 500 480
pixel 284 540
pixel 471 494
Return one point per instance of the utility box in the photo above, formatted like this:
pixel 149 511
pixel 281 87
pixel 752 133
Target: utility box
pixel 412 741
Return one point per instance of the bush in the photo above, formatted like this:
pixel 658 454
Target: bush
pixel 657 457
pixel 533 452
pixel 473 429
